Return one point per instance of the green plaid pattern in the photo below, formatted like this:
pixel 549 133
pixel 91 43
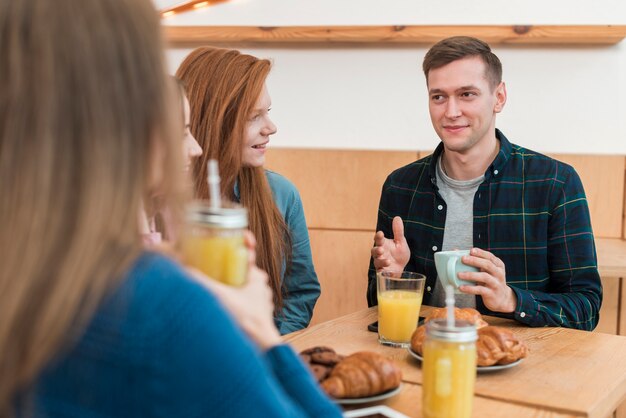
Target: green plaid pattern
pixel 530 211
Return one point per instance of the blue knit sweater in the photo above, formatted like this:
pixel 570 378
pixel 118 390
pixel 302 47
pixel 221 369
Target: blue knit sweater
pixel 162 346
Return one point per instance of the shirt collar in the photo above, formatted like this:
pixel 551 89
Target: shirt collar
pixel 236 191
pixel 494 168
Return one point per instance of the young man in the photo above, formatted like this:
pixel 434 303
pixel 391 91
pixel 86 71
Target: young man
pixel 524 215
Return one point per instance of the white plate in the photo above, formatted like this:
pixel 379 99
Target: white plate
pixel 375 398
pixel 479 369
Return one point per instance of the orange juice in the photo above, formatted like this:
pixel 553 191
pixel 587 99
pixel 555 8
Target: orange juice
pixel 449 373
pixel 214 244
pixel 223 258
pixel 398 312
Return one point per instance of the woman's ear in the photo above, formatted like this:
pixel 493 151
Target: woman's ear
pixel 156 164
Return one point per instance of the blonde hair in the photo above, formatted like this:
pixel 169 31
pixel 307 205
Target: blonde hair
pixel 85 134
pixel 223 87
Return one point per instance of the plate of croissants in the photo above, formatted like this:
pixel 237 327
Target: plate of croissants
pixel 497 348
pixel 361 377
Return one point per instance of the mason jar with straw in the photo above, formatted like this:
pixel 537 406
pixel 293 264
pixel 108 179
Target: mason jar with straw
pixel 214 238
pixel 449 365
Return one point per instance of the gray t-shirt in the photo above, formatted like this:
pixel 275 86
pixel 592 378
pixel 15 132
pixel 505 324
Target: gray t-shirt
pixel 459 228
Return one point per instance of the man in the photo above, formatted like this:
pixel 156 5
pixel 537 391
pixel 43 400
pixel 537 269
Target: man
pixel 524 215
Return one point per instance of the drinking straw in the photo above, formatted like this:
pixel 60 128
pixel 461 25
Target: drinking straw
pixel 450 306
pixel 213 179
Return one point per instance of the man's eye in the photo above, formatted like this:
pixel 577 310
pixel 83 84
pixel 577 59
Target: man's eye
pixel 437 98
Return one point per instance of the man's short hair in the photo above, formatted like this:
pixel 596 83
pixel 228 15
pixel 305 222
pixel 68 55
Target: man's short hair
pixel 458 47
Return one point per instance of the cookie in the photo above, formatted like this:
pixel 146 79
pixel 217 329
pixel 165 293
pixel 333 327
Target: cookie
pixel 320 371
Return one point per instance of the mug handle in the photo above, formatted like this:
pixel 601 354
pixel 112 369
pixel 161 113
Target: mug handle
pixel 452 279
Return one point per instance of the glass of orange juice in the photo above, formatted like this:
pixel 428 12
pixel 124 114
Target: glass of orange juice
pixel 214 244
pixel 399 302
pixel 448 369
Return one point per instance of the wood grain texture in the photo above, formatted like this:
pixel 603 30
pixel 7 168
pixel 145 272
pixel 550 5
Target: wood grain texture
pixel 409 402
pixel 569 371
pixel 341 260
pixel 340 189
pixel 609 312
pixel 423 34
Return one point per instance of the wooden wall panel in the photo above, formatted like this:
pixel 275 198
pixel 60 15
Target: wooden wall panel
pixel 603 179
pixel 341 260
pixel 611 257
pixel 609 312
pixel 340 189
pixel 422 154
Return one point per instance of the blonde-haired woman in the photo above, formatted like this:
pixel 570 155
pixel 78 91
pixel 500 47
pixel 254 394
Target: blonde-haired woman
pixel 230 119
pixel 155 221
pixel 90 323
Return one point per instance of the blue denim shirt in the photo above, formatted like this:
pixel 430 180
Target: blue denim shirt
pixel 301 285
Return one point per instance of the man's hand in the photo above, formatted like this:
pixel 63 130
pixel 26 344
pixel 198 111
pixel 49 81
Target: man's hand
pixel 490 281
pixel 391 254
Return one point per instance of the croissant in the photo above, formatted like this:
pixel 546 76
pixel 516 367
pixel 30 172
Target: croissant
pixel 498 345
pixel 467 314
pixel 362 374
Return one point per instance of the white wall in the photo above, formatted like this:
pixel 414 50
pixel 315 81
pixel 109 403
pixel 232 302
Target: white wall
pixel 561 99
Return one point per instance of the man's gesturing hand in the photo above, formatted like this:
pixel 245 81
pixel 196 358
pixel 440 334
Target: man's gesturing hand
pixel 391 254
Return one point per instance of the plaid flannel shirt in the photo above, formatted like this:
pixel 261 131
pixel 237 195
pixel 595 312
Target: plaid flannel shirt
pixel 530 211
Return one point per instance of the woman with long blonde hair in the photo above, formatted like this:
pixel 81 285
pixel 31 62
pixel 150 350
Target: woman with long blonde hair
pixel 230 119
pixel 90 323
pixel 156 224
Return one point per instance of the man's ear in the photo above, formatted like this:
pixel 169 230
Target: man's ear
pixel 500 97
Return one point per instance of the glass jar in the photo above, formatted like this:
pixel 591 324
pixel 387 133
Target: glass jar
pixel 214 242
pixel 449 369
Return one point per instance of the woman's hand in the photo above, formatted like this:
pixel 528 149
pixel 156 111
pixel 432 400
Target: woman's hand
pixel 252 305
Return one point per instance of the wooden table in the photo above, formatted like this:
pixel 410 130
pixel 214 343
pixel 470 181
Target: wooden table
pixel 567 373
pixel 409 402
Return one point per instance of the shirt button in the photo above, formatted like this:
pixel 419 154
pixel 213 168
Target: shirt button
pixel 428 289
pixel 495 172
pixel 434 248
pixel 440 207
pixel 522 314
